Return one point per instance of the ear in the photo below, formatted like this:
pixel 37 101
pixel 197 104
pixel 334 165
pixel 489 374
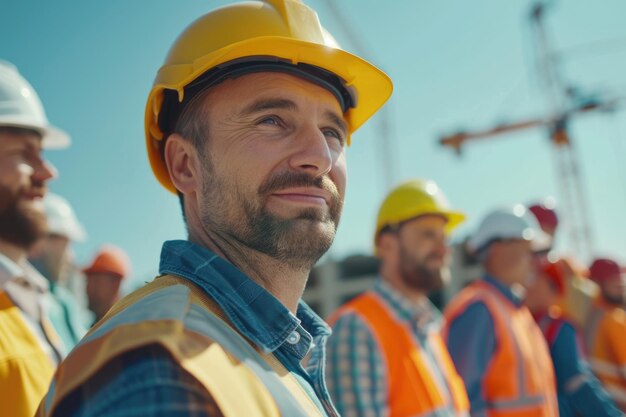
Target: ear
pixel 182 163
pixel 387 246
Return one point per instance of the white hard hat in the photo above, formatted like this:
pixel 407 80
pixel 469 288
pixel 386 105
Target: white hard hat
pixel 513 222
pixel 61 218
pixel 20 107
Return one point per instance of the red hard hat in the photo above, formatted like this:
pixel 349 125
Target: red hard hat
pixel 603 269
pixel 555 274
pixel 110 259
pixel 546 216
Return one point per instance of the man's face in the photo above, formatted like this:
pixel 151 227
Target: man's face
pixel 613 290
pixel 23 177
pixel 423 253
pixel 103 290
pixel 540 293
pixel 516 256
pixel 274 168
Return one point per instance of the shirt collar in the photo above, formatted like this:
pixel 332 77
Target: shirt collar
pixel 423 313
pixel 506 291
pixel 12 271
pixel 256 313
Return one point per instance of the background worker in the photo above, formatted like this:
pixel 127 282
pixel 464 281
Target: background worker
pixel 104 276
pixel 579 292
pixel 578 390
pixel 386 356
pixel 29 346
pixel 247 122
pixel 52 256
pixel 605 330
pixel 492 338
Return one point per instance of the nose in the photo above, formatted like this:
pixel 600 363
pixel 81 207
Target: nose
pixel 43 171
pixel 313 153
pixel 442 247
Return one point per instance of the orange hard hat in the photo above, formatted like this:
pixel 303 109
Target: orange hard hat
pixel 111 260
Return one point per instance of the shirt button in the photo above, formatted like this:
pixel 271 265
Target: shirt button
pixel 293 338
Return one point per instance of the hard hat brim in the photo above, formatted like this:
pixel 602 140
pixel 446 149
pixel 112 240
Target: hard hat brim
pixel 455 218
pixel 52 137
pixel 373 87
pixel 55 138
pixel 540 241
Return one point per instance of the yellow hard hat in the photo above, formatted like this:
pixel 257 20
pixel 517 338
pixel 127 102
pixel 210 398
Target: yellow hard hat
pixel 416 198
pixel 271 31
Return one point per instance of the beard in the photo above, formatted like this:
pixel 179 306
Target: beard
pixel 21 223
pixel 416 273
pixel 616 300
pixel 298 242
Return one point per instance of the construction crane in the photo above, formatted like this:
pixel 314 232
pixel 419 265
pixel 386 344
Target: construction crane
pixel 564 106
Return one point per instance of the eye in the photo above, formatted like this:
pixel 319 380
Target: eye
pixel 335 134
pixel 271 120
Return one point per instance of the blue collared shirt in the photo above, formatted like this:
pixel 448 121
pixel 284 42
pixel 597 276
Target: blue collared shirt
pixel 252 310
pixel 579 391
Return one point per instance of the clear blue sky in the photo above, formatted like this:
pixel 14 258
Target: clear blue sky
pixel 455 64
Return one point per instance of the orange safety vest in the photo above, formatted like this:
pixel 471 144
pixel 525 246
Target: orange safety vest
pixel 413 390
pixel 175 314
pixel 606 348
pixel 25 368
pixel 519 381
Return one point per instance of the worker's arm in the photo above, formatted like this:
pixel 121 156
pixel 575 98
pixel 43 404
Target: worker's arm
pixel 355 371
pixel 471 341
pixel 582 390
pixel 146 382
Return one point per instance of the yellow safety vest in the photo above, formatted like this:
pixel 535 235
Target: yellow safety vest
pixel 174 313
pixel 25 369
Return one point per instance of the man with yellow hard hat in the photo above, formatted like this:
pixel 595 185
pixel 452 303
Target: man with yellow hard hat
pixel 386 357
pixel 247 122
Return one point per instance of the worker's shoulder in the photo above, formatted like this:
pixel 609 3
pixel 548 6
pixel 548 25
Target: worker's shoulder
pixel 474 309
pixel 616 318
pixel 161 299
pixel 472 299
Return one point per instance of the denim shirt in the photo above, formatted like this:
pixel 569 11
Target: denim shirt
pixel 150 381
pixel 257 314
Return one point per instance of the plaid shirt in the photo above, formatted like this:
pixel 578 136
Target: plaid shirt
pixel 356 372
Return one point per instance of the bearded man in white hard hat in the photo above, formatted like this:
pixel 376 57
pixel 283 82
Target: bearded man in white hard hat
pixel 495 344
pixel 29 347
pixel 52 256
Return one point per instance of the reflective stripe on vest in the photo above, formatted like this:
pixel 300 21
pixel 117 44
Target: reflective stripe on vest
pixel 174 304
pixel 523 400
pixel 414 388
pixel 521 350
pixel 25 369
